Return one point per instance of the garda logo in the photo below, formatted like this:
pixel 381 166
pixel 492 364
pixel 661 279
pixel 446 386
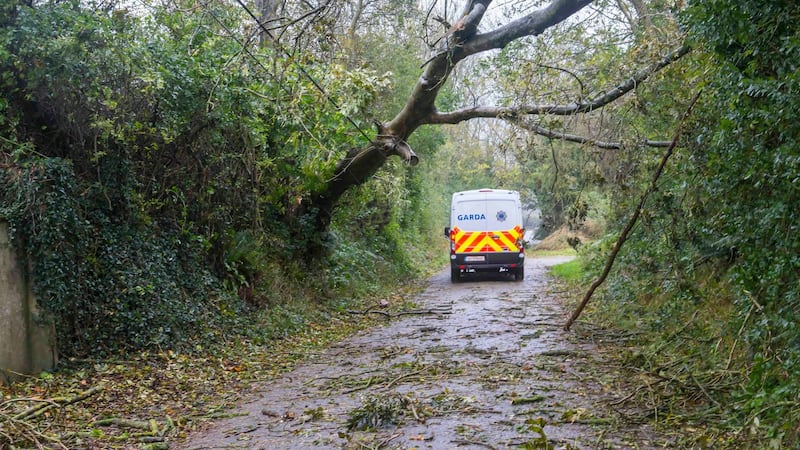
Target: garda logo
pixel 461 217
pixel 501 216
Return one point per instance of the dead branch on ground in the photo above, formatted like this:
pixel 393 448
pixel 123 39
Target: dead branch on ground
pixel 20 428
pixel 410 312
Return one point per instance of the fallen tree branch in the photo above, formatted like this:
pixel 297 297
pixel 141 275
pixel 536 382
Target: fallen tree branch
pixel 501 112
pixel 20 427
pixel 410 312
pixel 38 410
pixel 126 423
pixel 15 430
pixel 607 145
pixel 634 218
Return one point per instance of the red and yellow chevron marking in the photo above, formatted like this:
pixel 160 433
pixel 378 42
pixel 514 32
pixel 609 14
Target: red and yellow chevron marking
pixel 486 241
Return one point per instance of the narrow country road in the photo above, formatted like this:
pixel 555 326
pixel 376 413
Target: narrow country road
pixel 484 364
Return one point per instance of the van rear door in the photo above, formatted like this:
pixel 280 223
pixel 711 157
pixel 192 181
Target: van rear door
pixel 484 223
pixel 502 214
pixel 469 214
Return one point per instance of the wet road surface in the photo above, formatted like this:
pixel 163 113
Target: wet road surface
pixel 481 364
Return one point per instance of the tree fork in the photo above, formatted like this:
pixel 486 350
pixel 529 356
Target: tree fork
pixel 360 165
pixel 461 42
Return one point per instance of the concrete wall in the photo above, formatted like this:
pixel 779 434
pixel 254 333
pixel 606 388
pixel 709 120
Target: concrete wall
pixel 27 346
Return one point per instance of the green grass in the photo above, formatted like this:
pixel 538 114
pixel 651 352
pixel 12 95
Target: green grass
pixel 568 251
pixel 569 271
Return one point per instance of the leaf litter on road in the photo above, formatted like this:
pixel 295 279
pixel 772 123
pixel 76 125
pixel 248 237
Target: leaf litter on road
pixel 495 372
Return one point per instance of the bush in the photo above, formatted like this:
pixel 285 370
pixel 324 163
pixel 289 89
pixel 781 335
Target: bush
pixel 107 284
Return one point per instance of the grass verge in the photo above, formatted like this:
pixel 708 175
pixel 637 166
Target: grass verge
pixel 679 365
pixel 570 271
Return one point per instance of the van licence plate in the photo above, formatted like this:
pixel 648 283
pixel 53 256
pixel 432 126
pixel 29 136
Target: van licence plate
pixel 474 258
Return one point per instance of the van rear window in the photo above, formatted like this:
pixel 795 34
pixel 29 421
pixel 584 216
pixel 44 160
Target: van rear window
pixel 483 215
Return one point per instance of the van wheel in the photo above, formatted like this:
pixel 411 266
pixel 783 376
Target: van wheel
pixel 519 274
pixel 455 275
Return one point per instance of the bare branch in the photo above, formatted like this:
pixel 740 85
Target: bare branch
pixel 462 43
pixel 546 132
pixel 560 110
pixel 533 24
pixel 568 72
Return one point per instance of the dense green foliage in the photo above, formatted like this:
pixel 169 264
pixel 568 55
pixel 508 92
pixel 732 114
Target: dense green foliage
pixel 711 272
pixel 153 167
pixel 748 162
pixel 111 284
pixel 750 158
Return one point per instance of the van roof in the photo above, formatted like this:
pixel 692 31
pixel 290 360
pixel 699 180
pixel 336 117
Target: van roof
pixel 486 191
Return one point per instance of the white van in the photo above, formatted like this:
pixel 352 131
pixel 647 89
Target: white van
pixel 486 233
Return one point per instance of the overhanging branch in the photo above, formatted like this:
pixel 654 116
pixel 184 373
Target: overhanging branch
pixel 552 134
pixel 559 110
pixel 420 108
pixel 533 24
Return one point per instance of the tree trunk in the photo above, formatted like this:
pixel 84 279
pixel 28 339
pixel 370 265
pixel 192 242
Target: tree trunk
pixel 355 169
pixel 268 10
pixel 460 42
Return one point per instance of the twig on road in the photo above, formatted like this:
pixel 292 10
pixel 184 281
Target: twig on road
pixel 440 310
pixel 460 442
pixel 406 375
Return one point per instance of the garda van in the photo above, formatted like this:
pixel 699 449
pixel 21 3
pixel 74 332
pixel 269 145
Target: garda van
pixel 486 233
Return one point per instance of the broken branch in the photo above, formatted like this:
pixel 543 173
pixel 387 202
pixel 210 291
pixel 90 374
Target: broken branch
pixel 403 313
pixel 634 218
pixel 40 409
